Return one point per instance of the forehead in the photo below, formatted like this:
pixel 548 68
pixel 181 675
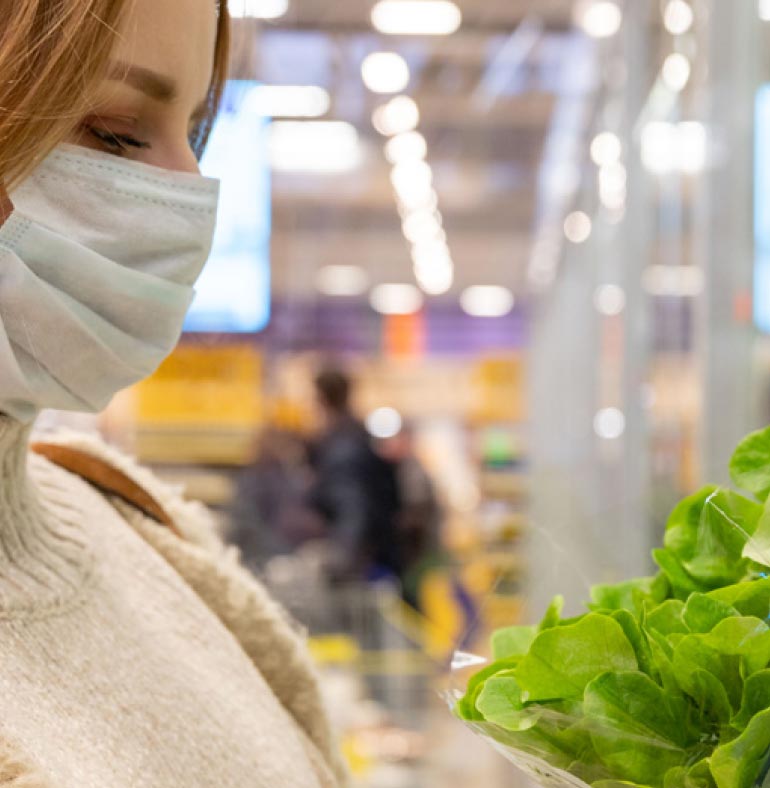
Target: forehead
pixel 176 38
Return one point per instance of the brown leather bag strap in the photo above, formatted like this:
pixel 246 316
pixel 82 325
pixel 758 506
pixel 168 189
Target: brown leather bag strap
pixel 105 478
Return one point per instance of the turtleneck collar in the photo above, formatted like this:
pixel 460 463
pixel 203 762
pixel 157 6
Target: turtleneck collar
pixel 45 561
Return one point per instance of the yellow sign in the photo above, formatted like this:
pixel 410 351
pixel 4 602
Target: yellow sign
pixel 499 389
pixel 198 386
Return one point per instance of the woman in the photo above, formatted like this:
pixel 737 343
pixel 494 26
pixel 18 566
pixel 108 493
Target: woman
pixel 128 656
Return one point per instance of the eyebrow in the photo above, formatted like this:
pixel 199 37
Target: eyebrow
pixel 153 84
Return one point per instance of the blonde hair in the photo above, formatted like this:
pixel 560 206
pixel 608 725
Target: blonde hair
pixel 53 53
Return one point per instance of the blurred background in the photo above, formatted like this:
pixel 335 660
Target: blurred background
pixel 490 293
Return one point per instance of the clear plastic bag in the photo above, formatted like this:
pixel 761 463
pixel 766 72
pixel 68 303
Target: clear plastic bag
pixel 531 762
pixel 544 769
pixel 662 681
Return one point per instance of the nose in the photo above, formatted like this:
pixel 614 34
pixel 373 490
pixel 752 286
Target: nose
pixel 185 160
pixel 178 157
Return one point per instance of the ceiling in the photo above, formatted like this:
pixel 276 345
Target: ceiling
pixel 487 96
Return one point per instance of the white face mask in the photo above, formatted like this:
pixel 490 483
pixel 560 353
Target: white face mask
pixel 97 266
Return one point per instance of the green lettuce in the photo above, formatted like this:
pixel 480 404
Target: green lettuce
pixel 665 681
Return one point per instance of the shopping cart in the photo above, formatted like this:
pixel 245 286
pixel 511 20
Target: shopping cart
pixel 379 681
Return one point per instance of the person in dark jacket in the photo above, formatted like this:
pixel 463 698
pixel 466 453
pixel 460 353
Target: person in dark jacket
pixel 356 490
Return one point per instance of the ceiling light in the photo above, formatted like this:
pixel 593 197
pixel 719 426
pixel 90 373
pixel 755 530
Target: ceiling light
pixel 599 18
pixel 314 146
pixel 763 7
pixel 416 17
pixel 667 147
pixel 384 423
pixel 577 227
pixel 693 147
pixel 676 71
pixel 433 253
pixel 403 147
pixel 487 301
pixel 659 146
pixel 342 280
pixel 289 101
pixel 610 423
pixel 399 115
pixel 610 300
pixel 417 199
pixel 435 280
pixel 385 72
pixel 423 226
pixel 612 186
pixel 606 148
pixel 413 181
pixel 678 17
pixel 396 299
pixel 257 9
pixel 679 281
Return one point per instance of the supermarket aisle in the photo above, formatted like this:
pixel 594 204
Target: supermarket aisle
pixel 459 759
pixel 450 756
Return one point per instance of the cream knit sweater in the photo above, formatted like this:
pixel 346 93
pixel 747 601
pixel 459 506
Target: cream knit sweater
pixel 131 658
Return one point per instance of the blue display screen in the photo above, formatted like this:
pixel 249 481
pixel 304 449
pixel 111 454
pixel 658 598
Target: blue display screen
pixel 762 210
pixel 233 292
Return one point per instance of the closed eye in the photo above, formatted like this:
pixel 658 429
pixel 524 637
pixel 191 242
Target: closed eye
pixel 116 143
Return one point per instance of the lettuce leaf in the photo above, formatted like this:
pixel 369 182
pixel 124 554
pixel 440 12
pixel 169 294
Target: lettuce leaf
pixel 635 726
pixel 665 682
pixel 750 464
pixel 563 660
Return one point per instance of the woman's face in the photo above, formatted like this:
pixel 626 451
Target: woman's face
pixel 157 86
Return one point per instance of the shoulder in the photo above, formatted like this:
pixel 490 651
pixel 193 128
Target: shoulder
pixel 265 632
pixel 119 475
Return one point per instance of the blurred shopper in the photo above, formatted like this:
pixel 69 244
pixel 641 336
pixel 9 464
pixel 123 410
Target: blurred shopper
pixel 420 517
pixel 270 515
pixel 133 653
pixel 356 490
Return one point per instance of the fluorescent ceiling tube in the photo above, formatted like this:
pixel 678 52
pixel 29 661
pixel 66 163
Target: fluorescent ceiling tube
pixel 385 72
pixel 432 254
pixel 404 147
pixel 257 9
pixel 289 101
pixel 599 18
pixel 676 71
pixel 423 227
pixel 412 179
pixel 396 299
pixel 436 279
pixel 416 17
pixel 677 281
pixel 342 280
pixel 314 146
pixel 400 115
pixel 487 301
pixel 678 17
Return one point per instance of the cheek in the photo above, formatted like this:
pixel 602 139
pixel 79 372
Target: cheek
pixel 82 138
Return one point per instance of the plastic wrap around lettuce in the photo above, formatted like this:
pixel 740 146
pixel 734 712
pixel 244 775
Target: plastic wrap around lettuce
pixel 665 681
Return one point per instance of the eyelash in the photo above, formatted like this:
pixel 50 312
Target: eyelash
pixel 117 143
